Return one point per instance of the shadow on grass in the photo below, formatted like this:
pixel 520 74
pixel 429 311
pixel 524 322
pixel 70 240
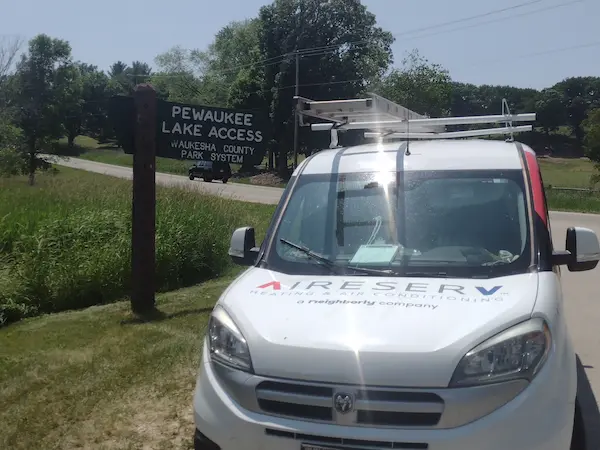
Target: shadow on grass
pixel 158 316
pixel 64 150
pixel 588 408
pixel 109 146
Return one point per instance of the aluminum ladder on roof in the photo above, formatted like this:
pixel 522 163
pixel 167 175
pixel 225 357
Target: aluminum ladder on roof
pixel 383 119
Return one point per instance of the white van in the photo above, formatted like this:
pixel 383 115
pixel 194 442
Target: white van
pixel 406 296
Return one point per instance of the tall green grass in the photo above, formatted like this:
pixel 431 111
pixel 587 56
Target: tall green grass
pixel 586 202
pixel 65 243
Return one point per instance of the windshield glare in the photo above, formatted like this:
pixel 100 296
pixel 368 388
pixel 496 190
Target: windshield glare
pixel 465 223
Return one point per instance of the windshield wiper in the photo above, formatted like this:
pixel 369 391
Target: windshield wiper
pixel 427 274
pixel 437 274
pixel 308 252
pixel 332 264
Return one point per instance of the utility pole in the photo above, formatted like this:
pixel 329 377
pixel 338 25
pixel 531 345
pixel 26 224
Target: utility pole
pixel 296 93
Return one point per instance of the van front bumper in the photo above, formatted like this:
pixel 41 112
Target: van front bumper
pixel 538 418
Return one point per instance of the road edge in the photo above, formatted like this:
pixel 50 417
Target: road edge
pixel 56 160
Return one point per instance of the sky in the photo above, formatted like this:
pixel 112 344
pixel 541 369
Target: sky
pixel 532 46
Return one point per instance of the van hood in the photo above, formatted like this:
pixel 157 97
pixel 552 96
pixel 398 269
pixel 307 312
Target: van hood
pixel 386 331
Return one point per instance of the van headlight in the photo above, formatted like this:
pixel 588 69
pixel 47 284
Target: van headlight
pixel 226 343
pixel 516 353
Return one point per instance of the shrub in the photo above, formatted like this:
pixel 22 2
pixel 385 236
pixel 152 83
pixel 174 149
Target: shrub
pixel 65 243
pixel 12 162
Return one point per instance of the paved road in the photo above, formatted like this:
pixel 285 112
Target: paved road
pixel 582 306
pixel 237 191
pixel 582 301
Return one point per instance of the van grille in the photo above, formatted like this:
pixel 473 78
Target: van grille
pixel 371 407
pixel 357 444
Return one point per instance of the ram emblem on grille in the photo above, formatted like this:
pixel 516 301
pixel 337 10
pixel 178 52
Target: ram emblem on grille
pixel 343 403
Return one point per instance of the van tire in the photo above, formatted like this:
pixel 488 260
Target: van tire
pixel 225 180
pixel 192 177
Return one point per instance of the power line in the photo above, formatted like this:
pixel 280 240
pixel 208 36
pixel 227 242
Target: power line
pixel 528 13
pixel 359 80
pixel 541 53
pixel 323 50
pixel 282 88
pixel 545 52
pixel 306 51
pixel 442 24
pixel 475 25
pixel 527 55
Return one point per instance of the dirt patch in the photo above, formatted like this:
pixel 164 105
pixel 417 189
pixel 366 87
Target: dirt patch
pixel 145 418
pixel 267 179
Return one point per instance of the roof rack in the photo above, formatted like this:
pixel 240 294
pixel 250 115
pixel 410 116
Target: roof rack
pixel 384 119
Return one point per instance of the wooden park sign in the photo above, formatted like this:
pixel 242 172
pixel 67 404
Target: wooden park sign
pixel 198 133
pixel 203 133
pixel 148 127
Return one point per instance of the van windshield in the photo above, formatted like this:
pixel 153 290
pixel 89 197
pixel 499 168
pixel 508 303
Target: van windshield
pixel 448 223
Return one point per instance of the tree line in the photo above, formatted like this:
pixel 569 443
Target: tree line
pixel 251 64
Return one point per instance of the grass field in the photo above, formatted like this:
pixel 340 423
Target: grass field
pixel 65 243
pixel 96 379
pixel 558 172
pixel 88 148
pixel 573 201
pixel 566 172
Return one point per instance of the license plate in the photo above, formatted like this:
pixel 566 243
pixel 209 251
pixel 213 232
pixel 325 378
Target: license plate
pixel 316 447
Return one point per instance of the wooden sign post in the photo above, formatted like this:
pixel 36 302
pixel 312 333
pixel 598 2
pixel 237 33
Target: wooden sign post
pixel 148 127
pixel 143 249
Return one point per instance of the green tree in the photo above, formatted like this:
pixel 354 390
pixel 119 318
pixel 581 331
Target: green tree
pixel 466 101
pixel 96 91
pixel 420 86
pixel 469 99
pixel 12 161
pixel 9 49
pixel 591 127
pixel 117 69
pixel 229 65
pixel 225 75
pixel 71 106
pixel 118 77
pixel 178 78
pixel 124 78
pixel 352 51
pixel 519 100
pixel 218 75
pixel 85 105
pixel 550 111
pixel 11 157
pixel 580 95
pixel 43 83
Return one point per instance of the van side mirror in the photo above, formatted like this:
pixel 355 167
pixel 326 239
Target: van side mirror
pixel 582 250
pixel 242 248
pixel 583 244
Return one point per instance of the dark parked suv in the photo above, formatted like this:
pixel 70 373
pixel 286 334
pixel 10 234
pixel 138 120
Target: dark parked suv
pixel 209 170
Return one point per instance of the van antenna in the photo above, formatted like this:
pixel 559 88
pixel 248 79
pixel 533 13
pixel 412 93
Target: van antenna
pixel 407 152
pixel 509 122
